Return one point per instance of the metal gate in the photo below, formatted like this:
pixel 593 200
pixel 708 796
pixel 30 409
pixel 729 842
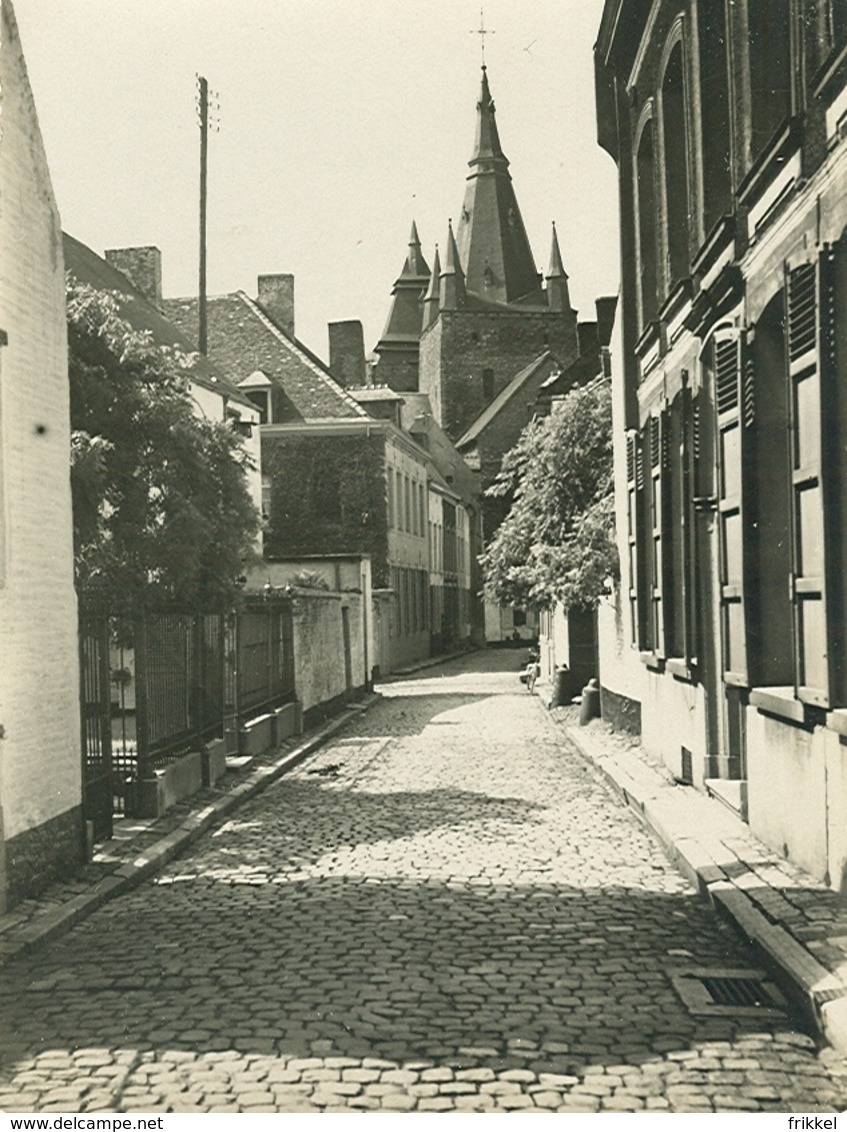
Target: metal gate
pixel 96 726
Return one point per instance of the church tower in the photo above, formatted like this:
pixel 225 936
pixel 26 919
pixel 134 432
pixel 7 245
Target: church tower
pixel 398 346
pixel 495 317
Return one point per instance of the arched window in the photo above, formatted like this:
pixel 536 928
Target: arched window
pixel 677 197
pixel 714 114
pixel 644 179
pixel 769 54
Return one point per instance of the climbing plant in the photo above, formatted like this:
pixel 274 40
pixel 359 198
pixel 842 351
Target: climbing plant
pixel 556 543
pixel 162 510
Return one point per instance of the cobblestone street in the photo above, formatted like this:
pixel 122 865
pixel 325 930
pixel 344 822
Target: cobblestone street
pixel 443 909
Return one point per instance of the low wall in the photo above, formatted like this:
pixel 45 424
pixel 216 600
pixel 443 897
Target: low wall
pixel 322 676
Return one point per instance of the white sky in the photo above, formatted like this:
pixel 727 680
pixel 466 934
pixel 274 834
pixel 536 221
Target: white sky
pixel 341 121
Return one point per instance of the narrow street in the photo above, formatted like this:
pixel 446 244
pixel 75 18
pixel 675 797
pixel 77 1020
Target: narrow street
pixel 444 909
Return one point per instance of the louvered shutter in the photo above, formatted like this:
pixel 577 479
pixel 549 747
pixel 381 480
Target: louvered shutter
pixel 730 440
pixel 657 510
pixel 632 527
pixel 808 294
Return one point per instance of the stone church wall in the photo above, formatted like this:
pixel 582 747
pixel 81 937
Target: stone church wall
pixel 464 344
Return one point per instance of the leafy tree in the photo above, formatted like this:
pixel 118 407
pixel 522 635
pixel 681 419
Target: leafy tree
pixel 162 511
pixel 557 540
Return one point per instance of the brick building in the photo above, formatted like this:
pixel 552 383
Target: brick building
pixel 725 643
pixel 41 825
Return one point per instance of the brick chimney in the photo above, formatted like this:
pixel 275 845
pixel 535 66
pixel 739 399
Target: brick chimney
pixel 347 352
pixel 142 267
pixel 276 297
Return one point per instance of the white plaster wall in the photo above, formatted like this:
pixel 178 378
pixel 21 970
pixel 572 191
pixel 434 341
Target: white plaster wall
pixel 40 773
pixel 786 789
pixel 836 810
pixel 673 717
pixel 319 646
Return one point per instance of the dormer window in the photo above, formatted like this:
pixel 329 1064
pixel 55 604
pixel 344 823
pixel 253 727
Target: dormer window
pixel 260 399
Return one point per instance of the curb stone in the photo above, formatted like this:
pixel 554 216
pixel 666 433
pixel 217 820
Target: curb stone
pixel 46 925
pixel 730 868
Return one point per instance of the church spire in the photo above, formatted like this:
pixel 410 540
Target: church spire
pixel 492 240
pixel 452 277
pixel 432 298
pixel 415 266
pixel 558 298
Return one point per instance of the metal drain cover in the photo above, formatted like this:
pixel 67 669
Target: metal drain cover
pixel 740 992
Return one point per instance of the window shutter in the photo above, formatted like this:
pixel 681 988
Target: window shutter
pixel 656 511
pixel 730 441
pixel 808 290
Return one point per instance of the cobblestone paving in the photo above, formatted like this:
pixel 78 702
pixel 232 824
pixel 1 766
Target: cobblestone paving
pixel 442 910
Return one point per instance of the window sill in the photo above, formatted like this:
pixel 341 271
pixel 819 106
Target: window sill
pixel 780 702
pixel 649 337
pixel 679 295
pixel 717 241
pixel 831 73
pixel 681 669
pixel 651 661
pixel 837 721
pixel 770 162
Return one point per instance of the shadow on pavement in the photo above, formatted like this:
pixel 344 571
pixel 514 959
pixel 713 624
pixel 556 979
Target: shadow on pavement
pixel 550 979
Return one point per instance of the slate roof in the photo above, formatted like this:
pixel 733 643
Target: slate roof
pixel 86 266
pixel 243 338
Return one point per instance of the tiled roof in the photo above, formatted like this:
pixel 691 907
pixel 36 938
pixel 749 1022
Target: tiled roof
pixel 87 267
pixel 243 338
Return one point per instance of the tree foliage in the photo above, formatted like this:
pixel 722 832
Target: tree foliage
pixel 162 511
pixel 557 541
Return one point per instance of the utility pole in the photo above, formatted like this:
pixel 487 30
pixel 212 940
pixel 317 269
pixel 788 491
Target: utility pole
pixel 203 108
pixel 203 120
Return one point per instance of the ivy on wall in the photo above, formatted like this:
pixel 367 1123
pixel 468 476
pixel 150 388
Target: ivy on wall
pixel 327 496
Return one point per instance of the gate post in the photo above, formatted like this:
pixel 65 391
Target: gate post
pixel 143 768
pixel 230 662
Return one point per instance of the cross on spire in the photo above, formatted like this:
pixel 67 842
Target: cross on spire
pixel 482 31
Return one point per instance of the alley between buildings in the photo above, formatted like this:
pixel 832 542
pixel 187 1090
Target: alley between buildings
pixel 443 909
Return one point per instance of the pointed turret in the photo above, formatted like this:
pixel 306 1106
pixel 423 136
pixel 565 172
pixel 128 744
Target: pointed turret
pixel 398 346
pixel 432 298
pixel 415 266
pixel 452 277
pixel 492 240
pixel 558 298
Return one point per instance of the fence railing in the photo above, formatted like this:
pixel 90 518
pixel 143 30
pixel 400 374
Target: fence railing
pixel 158 685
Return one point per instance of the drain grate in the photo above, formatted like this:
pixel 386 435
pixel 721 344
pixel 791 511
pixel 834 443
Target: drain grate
pixel 726 991
pixel 729 991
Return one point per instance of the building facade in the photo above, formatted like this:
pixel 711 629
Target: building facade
pixel 342 473
pixel 726 642
pixel 41 825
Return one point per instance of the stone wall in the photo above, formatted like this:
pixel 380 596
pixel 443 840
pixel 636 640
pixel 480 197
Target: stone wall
pixel 464 344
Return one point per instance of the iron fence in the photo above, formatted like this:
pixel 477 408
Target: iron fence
pixel 158 685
